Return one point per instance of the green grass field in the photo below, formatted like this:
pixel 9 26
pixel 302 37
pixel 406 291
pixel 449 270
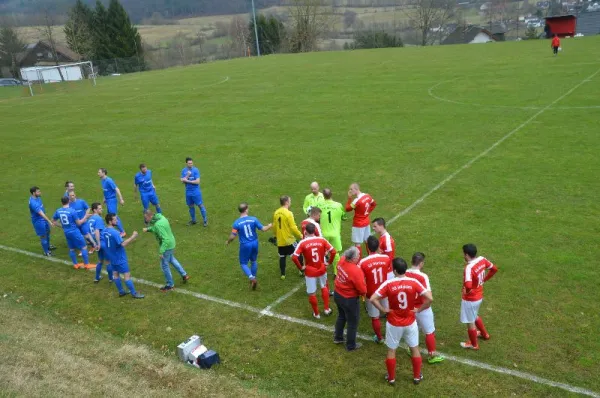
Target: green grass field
pixel 400 122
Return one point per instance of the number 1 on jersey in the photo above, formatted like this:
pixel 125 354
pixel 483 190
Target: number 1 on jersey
pixel 481 278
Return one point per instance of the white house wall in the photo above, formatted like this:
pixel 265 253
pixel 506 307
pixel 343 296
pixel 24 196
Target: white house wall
pixel 481 38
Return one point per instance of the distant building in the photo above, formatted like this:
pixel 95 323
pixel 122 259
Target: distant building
pixel 562 25
pixel 469 34
pixel 499 30
pixel 588 23
pixel 40 54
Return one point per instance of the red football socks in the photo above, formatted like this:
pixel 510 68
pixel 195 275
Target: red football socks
pixel 479 324
pixel 430 343
pixel 417 362
pixel 325 296
pixel 473 337
pixel 376 327
pixel 390 364
pixel 312 299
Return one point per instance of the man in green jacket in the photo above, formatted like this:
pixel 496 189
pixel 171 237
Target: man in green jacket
pixel 160 227
pixel 313 199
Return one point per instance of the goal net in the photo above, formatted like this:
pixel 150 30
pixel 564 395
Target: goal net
pixel 39 76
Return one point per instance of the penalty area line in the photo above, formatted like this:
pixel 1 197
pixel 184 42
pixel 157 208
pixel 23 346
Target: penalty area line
pixel 268 308
pixel 464 361
pixel 492 147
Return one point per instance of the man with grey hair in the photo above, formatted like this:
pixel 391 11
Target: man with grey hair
pixel 349 286
pixel 313 199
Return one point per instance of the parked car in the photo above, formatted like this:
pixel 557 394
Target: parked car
pixel 10 82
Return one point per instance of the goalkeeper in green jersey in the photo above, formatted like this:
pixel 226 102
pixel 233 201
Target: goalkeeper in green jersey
pixel 332 215
pixel 313 199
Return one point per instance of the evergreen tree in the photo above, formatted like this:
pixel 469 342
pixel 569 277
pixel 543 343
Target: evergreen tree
pixel 271 34
pixel 78 29
pixel 124 38
pixel 10 46
pixel 100 37
pixel 374 39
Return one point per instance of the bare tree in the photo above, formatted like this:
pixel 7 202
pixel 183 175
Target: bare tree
pixel 46 30
pixel 240 35
pixel 311 20
pixel 181 44
pixel 200 41
pixel 429 17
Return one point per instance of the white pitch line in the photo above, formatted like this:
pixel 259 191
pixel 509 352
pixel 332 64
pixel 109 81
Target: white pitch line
pixel 466 165
pixel 268 308
pixel 494 145
pixel 320 326
pixel 493 106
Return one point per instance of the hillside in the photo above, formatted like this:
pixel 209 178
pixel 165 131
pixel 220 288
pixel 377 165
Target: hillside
pixel 494 144
pixel 139 9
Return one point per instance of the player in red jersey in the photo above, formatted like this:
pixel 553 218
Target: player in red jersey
pixel 477 271
pixel 362 204
pixel 387 245
pixel 375 267
pixel 314 249
pixel 314 218
pixel 424 318
pixel 401 293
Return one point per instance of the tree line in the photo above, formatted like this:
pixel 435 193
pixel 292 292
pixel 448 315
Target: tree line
pixel 137 9
pixel 102 34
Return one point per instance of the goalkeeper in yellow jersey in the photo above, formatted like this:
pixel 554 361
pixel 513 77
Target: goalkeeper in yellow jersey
pixel 286 232
pixel 332 215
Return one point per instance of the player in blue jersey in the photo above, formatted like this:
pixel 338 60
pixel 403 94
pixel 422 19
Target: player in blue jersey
pixel 96 227
pixel 81 207
pixel 111 191
pixel 67 218
pixel 143 182
pixel 69 187
pixel 114 248
pixel 245 228
pixel 190 177
pixel 39 219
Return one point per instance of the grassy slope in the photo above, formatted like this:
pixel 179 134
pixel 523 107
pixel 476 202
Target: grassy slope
pixel 48 356
pixel 529 204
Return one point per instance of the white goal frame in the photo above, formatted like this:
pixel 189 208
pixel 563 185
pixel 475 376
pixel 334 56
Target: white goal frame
pixel 48 74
